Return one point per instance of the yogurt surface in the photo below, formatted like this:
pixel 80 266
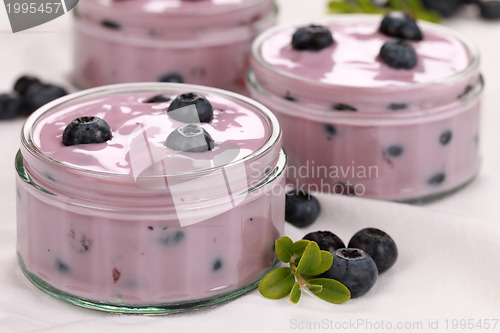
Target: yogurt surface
pixel 353 58
pixel 233 126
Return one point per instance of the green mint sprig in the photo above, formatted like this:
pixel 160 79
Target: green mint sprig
pixel 305 261
pixel 413 7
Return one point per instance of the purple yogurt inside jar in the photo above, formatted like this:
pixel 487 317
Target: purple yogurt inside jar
pixel 203 42
pixel 136 224
pixel 354 125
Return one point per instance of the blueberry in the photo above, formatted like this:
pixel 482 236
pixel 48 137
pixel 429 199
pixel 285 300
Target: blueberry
pixel 330 130
pixel 326 240
pixel 394 151
pixel 62 266
pixel 39 95
pixel 398 54
pixel 24 83
pixel 289 97
pixel 445 137
pixel 84 130
pixel 312 38
pixel 445 8
pixel 379 246
pixel 343 107
pixel 437 179
pixel 217 265
pixel 401 25
pixel 10 105
pixel 397 106
pixel 171 77
pixel 301 208
pixel 190 138
pixel 204 110
pixel 172 238
pixel 353 268
pixel 111 24
pixel 162 98
pixel 490 9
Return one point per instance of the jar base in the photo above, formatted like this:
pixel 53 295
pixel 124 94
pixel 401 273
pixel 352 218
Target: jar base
pixel 142 309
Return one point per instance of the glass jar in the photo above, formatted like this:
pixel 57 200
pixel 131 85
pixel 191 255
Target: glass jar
pixel 352 125
pixel 199 42
pixel 132 226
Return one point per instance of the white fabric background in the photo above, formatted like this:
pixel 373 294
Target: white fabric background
pixel 447 267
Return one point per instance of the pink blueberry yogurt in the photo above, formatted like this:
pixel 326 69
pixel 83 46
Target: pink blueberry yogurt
pixel 201 42
pixel 131 225
pixel 353 124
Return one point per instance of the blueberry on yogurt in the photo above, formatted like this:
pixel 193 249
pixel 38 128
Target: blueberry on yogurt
pixel 398 54
pixel 86 130
pixel 190 138
pixel 312 38
pixel 191 108
pixel 401 25
pixel 161 98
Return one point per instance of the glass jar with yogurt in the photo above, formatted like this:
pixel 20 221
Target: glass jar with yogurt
pixel 138 224
pixel 203 42
pixel 354 125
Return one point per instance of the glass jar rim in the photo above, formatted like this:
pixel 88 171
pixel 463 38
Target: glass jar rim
pixel 273 140
pixel 470 47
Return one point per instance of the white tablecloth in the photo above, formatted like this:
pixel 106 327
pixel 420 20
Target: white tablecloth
pixel 446 278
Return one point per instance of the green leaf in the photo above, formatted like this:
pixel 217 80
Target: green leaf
pixel 310 260
pixel 326 263
pixel 295 293
pixel 284 249
pixel 299 247
pixel 333 291
pixel 315 288
pixel 277 283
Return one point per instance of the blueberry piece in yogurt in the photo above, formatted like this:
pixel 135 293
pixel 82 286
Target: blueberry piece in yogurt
pixel 10 105
pixel 171 77
pixel 162 98
pixel 86 130
pixel 312 38
pixel 401 25
pixel 62 267
pixel 394 151
pixel 437 179
pixel 190 138
pixel 172 238
pixel 24 83
pixel 343 107
pixel 397 106
pixel 111 24
pixel 217 264
pixel 398 54
pixel 445 137
pixel 330 130
pixel 191 108
pixel 289 97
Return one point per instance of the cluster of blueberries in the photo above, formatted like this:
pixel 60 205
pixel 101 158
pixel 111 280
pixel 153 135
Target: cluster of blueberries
pixel 370 251
pixel 396 53
pixel 187 138
pixel 29 93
